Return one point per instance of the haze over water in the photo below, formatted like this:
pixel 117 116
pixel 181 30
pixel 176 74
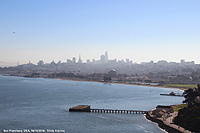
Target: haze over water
pixel 36 103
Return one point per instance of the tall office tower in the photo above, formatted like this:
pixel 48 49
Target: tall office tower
pixel 88 61
pixel 106 56
pixel 102 59
pixel 79 60
pixel 74 60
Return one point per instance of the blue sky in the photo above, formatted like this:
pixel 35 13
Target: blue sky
pixel 141 30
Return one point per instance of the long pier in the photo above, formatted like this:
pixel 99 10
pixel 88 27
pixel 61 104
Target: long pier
pixel 86 108
pixel 118 111
pixel 177 95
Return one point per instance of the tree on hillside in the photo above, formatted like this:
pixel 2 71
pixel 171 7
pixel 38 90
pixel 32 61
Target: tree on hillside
pixel 107 79
pixel 189 117
pixel 192 96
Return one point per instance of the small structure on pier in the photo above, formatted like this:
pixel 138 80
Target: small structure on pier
pixel 80 108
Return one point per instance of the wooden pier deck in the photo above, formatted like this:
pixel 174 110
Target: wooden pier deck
pixel 86 108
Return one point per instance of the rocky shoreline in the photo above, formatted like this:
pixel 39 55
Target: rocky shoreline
pixel 161 124
pixel 171 128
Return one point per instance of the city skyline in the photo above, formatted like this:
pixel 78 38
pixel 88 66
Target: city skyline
pixel 137 30
pixel 103 59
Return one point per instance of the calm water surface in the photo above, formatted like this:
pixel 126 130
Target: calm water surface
pixel 37 103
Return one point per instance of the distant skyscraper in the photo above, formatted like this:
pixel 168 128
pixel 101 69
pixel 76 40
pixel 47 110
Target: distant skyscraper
pixel 74 60
pixel 106 56
pixel 69 61
pixel 59 62
pixel 102 58
pixel 192 62
pixel 79 60
pixel 182 61
pixel 53 63
pixel 40 63
pixel 127 61
pixel 88 60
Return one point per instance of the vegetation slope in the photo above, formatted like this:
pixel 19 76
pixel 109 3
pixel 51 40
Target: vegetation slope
pixel 189 116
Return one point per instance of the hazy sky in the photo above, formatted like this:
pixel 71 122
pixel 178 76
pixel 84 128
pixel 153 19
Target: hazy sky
pixel 141 30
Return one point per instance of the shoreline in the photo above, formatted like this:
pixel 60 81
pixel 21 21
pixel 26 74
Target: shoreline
pixel 154 123
pixel 147 85
pixel 85 80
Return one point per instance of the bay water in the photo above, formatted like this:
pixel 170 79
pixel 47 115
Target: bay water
pixel 39 103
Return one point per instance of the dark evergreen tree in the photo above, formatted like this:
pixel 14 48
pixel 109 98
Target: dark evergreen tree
pixel 192 96
pixel 189 117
